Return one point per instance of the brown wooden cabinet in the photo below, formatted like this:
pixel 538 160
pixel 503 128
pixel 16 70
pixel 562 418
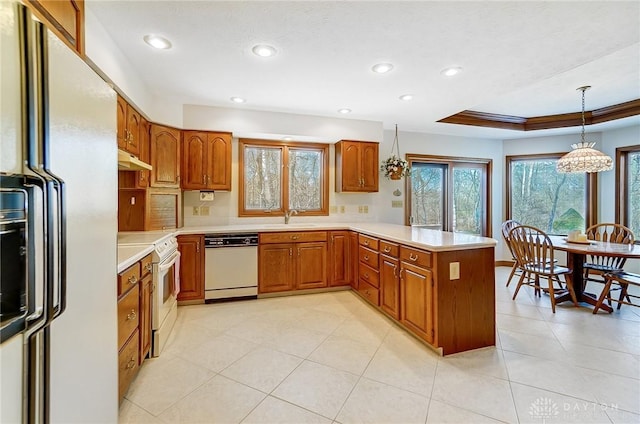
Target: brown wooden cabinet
pixel 353 259
pixel 165 157
pixel 339 258
pixel 206 160
pixel 299 264
pixel 138 179
pixel 368 269
pixel 150 209
pixel 129 127
pixel 65 18
pixel 191 249
pixel 146 292
pixel 389 279
pixel 356 166
pixel 416 300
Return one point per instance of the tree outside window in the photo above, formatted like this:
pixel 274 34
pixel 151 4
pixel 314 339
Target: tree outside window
pixel 628 187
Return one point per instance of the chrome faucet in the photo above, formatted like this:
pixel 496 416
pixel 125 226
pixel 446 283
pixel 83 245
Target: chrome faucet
pixel 287 215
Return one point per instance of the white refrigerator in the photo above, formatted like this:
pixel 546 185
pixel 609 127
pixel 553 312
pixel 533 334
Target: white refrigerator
pixel 58 223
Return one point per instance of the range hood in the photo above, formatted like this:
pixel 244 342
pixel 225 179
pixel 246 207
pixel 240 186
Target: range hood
pixel 128 162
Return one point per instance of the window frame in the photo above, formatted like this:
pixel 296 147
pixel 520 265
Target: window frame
pixel 284 147
pixel 451 162
pixel 591 186
pixel 622 183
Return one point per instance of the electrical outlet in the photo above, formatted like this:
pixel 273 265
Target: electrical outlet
pixel 333 209
pixel 204 210
pixel 365 208
pixel 342 209
pixel 196 211
pixel 454 270
pixel 396 203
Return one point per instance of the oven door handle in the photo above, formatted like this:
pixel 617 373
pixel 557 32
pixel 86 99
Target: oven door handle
pixel 173 259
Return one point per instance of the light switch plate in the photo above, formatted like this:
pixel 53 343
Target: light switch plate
pixel 196 211
pixel 333 209
pixel 204 210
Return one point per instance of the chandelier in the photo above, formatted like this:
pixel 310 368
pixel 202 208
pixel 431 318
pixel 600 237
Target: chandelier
pixel 583 157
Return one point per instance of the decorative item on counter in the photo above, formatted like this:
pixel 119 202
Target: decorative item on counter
pixel 394 167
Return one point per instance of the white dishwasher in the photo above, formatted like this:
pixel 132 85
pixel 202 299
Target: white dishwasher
pixel 231 266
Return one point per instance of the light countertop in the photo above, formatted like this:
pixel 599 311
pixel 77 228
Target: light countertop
pixel 133 246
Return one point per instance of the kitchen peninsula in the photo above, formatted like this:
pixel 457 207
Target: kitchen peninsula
pixel 437 285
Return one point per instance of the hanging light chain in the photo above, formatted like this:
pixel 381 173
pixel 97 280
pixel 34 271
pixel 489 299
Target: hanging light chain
pixel 583 89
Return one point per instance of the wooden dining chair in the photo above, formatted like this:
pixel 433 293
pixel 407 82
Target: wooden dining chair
pixel 507 226
pixel 596 266
pixel 534 252
pixel 623 280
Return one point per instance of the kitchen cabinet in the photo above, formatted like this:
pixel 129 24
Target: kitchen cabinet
pixel 146 292
pixel 368 269
pixel 357 167
pixel 65 18
pixel 150 209
pixel 416 300
pixel 339 258
pixel 353 259
pixel 165 157
pixel 138 179
pixel 128 289
pixel 191 249
pixel 129 127
pixel 389 279
pixel 206 160
pixel 292 261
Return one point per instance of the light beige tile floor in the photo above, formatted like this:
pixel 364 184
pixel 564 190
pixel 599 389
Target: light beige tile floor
pixel 331 357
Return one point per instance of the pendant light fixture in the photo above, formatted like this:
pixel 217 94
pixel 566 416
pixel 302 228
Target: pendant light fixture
pixel 583 157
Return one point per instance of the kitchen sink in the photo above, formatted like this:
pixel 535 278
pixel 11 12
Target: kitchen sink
pixel 285 226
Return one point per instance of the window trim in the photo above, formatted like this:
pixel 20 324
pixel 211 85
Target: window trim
pixel 284 179
pixel 452 160
pixel 622 177
pixel 591 186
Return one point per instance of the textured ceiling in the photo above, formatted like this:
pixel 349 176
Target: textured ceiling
pixel 518 58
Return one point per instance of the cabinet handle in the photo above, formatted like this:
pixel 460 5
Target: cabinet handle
pixel 366 258
pixel 395 268
pixel 412 258
pixel 386 250
pixel 366 276
pixel 132 280
pixel 298 252
pixel 148 267
pixel 366 243
pixel 198 247
pixel 367 293
pixel 132 315
pixel 295 237
pixel 290 251
pixel 131 363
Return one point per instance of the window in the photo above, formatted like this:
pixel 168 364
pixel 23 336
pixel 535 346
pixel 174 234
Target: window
pixel 628 187
pixel 539 196
pixel 277 176
pixel 450 194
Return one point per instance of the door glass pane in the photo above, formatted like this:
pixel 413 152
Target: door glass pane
pixel 633 192
pixel 262 178
pixel 305 179
pixel 548 200
pixel 427 195
pixel 467 200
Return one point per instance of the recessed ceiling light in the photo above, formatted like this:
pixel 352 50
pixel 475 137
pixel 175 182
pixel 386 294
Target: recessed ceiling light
pixel 157 41
pixel 382 68
pixel 264 50
pixel 237 100
pixel 406 97
pixel 449 72
pixel 287 138
pixel 344 110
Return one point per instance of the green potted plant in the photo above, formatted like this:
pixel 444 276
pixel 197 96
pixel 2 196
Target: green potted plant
pixel 394 167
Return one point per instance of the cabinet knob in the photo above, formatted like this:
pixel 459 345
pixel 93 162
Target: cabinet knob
pixel 132 280
pixel 148 267
pixel 366 276
pixel 411 257
pixel 366 257
pixel 386 250
pixel 131 363
pixel 366 242
pixel 132 315
pixel 295 237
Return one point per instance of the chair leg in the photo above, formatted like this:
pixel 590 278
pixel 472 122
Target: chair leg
pixel 552 295
pixel 513 272
pixel 623 294
pixel 519 285
pixel 603 295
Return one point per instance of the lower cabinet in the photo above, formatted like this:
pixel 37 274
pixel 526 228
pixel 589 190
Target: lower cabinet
pixel 145 316
pixel 417 300
pixel 339 258
pixel 390 286
pixel 353 259
pixel 191 249
pixel 299 264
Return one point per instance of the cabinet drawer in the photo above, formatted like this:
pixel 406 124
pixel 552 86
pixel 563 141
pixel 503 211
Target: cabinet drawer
pixel 145 266
pixel 414 256
pixel 369 275
pixel 128 314
pixel 368 256
pixel 128 278
pixel 369 292
pixel 293 237
pixel 370 242
pixel 127 364
pixel 389 249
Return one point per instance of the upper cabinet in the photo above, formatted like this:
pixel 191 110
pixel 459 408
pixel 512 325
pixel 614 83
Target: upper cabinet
pixel 356 166
pixel 65 18
pixel 206 160
pixel 129 129
pixel 165 157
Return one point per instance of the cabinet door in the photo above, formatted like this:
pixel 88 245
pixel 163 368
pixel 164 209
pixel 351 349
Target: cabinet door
pixel 369 167
pixel 339 258
pixel 191 262
pixel 218 161
pixel 353 256
pixel 142 177
pixel 389 286
pixel 351 158
pixel 121 116
pixel 133 131
pixel 416 300
pixel 275 267
pixel 165 157
pixel 145 316
pixel 194 146
pixel 66 19
pixel 311 265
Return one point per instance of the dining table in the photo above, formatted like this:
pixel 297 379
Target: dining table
pixel 577 252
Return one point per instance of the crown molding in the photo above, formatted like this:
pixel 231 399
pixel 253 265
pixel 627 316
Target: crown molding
pixel 519 123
